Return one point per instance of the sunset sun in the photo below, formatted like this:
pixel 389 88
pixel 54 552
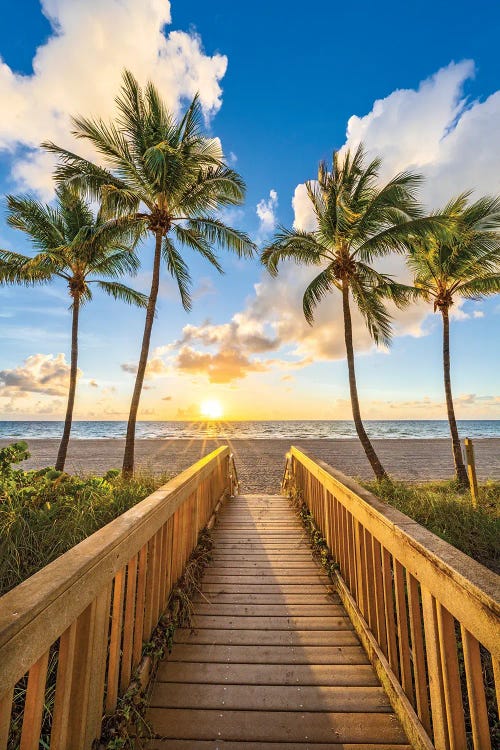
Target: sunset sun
pixel 211 409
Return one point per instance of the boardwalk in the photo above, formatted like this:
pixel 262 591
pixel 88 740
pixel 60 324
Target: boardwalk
pixel 272 660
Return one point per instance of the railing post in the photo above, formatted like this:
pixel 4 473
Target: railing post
pixel 471 470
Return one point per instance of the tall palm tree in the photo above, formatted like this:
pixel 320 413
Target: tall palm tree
pixel 464 265
pixel 80 247
pixel 167 176
pixel 357 222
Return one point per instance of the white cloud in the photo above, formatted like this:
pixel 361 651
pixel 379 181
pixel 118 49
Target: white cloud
pixel 78 71
pixel 266 211
pixel 433 130
pixel 39 373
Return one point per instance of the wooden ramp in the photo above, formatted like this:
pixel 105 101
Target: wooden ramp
pixel 272 660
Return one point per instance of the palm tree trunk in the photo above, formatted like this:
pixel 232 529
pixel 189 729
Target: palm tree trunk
pixel 63 448
pixel 128 458
pixel 460 470
pixel 372 457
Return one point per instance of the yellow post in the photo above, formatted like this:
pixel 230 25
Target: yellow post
pixel 471 470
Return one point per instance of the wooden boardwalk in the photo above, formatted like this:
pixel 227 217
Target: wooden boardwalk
pixel 272 660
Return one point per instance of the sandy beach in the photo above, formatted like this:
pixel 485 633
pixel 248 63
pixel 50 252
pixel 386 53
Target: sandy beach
pixel 260 462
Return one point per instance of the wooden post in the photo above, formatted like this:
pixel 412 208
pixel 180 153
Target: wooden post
pixel 471 470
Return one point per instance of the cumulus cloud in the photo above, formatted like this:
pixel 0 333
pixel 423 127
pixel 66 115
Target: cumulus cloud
pixel 155 367
pixel 266 211
pixel 225 366
pixel 39 373
pixel 433 129
pixel 78 70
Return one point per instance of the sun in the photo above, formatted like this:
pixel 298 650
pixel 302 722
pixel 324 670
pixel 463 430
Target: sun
pixel 211 409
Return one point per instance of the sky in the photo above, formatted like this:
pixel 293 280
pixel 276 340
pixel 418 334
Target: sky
pixel 281 84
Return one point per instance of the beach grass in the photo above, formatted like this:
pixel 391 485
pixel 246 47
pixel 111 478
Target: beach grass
pixel 45 513
pixel 449 513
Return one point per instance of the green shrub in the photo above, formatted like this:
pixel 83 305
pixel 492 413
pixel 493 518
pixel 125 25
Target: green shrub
pixel 45 513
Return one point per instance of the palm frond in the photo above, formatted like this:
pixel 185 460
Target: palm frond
pixel 122 292
pixel 218 233
pixel 178 269
pixel 320 286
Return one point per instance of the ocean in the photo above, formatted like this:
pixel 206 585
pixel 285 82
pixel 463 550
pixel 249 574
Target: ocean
pixel 300 429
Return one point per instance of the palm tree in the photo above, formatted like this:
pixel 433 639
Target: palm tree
pixel 168 177
pixel 76 245
pixel 464 265
pixel 357 222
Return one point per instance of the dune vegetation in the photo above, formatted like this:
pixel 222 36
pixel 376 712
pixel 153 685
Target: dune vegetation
pixel 447 511
pixel 45 513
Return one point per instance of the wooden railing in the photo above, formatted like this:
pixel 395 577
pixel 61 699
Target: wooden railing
pixel 427 615
pixel 92 609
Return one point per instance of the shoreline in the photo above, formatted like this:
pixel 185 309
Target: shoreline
pixel 260 461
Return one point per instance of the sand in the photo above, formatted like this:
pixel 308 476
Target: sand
pixel 260 463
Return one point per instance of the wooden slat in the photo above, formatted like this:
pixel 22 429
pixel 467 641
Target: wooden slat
pixel 260 654
pixel 98 668
pixel 390 612
pixel 115 642
pixel 139 605
pixel 274 726
pixel 451 680
pixel 62 704
pixel 435 671
pixel 475 689
pixel 403 640
pixel 128 624
pixel 33 706
pixel 5 713
pixel 418 649
pixel 270 697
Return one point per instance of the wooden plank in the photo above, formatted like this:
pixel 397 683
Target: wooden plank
pixel 403 639
pixel 268 610
pixel 216 745
pixel 268 637
pixel 310 571
pixel 319 600
pixel 390 612
pixel 98 666
pixel 435 671
pixel 270 697
pixel 62 705
pixel 34 703
pixel 259 588
pixel 259 654
pixel 5 713
pixel 265 580
pixel 115 642
pixel 233 622
pixel 360 675
pixel 274 726
pixel 418 649
pixel 140 605
pixel 128 624
pixel 451 680
pixel 475 690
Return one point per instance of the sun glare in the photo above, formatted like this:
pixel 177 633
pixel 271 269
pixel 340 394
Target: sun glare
pixel 211 409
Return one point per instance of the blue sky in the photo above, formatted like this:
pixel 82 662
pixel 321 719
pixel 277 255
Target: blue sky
pixel 280 85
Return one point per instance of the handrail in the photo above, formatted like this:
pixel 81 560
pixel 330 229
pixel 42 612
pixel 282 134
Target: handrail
pixel 418 605
pixel 97 604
